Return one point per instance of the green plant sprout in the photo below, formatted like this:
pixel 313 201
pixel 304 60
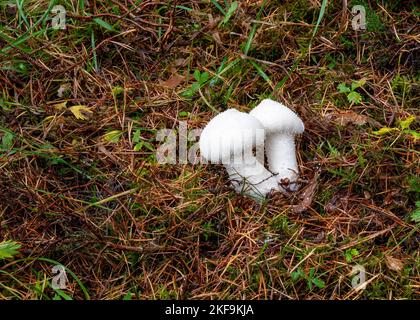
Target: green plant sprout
pixel 352 95
pixel 311 279
pixel 415 215
pixel 201 80
pixel 8 249
pixel 350 254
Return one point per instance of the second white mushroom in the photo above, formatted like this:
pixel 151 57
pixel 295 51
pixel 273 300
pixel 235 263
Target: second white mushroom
pixel 281 125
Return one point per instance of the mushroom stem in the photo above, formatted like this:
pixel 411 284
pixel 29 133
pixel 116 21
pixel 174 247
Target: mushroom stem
pixel 281 156
pixel 251 177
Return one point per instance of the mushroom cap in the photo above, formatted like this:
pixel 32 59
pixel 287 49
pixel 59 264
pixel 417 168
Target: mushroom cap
pixel 276 117
pixel 228 134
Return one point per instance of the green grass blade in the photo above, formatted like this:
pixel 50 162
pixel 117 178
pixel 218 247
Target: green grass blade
pixel 21 11
pixel 82 6
pixel 320 16
pixel 27 35
pixel 230 12
pixel 253 30
pixel 287 76
pixel 261 72
pixel 218 6
pixel 104 24
pixel 184 8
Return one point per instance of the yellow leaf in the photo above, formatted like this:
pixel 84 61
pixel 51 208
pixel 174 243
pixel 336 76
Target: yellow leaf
pixel 60 106
pixel 49 118
pixel 77 111
pixel 384 130
pixel 113 136
pixel 404 124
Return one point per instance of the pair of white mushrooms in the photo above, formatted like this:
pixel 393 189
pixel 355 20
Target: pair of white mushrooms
pixel 231 137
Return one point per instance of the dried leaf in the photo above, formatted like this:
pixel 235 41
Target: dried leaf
pixel 340 200
pixel 216 37
pixel 307 196
pixel 180 62
pixel 174 81
pixel 77 111
pixel 393 263
pixel 347 117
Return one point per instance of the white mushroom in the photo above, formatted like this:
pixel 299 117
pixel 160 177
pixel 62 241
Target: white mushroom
pixel 281 125
pixel 229 138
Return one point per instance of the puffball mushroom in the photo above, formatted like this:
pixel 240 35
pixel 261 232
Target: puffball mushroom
pixel 281 125
pixel 229 138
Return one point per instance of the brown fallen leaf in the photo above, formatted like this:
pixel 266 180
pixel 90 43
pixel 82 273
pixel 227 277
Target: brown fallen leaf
pixel 216 37
pixel 347 117
pixel 393 263
pixel 339 201
pixel 307 196
pixel 180 62
pixel 174 81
